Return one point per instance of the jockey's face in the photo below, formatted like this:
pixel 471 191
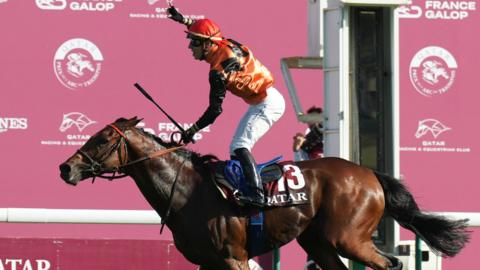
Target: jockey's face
pixel 199 47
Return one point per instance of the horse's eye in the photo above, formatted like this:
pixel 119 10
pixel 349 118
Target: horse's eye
pixel 102 140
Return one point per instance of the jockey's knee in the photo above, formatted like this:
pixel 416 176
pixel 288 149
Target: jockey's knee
pixel 238 145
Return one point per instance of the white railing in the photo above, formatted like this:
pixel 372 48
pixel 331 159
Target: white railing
pixel 474 218
pixel 90 216
pixel 44 215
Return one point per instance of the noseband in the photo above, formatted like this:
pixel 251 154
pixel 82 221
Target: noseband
pixel 96 167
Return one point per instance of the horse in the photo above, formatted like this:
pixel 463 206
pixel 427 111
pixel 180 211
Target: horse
pixel 346 204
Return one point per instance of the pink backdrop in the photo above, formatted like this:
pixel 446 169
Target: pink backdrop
pixel 439 106
pixel 131 41
pixel 124 42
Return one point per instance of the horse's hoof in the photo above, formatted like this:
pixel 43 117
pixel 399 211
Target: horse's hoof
pixel 397 266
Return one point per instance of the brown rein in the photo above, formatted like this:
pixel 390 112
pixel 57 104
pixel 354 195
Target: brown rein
pixel 98 170
pixel 150 156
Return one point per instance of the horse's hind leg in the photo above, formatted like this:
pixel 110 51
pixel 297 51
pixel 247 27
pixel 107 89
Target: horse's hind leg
pixel 368 254
pixel 320 250
pixel 395 263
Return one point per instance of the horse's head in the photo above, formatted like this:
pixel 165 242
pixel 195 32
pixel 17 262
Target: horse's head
pixel 103 153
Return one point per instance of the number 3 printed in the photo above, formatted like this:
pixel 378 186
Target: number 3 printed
pixel 294 178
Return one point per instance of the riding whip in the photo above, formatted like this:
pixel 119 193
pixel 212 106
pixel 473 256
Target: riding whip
pixel 140 88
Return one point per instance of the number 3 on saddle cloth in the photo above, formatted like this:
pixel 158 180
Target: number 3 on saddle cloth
pixel 283 183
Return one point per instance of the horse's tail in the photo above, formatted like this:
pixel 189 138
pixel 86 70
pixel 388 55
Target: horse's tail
pixel 444 236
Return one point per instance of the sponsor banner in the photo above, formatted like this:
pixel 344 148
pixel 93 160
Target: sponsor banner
pixel 70 70
pixel 156 9
pixel 430 138
pixel 165 130
pixel 439 108
pixel 432 71
pixel 79 5
pixel 439 10
pixel 142 9
pixel 80 254
pixel 13 123
pixel 77 63
pixel 71 131
pixel 74 123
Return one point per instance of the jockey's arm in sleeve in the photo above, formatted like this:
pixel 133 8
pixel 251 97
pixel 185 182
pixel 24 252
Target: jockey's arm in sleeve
pixel 178 17
pixel 218 90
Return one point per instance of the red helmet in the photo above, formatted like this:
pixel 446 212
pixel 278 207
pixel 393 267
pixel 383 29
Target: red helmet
pixel 205 28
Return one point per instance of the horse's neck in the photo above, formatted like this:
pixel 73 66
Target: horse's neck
pixel 156 177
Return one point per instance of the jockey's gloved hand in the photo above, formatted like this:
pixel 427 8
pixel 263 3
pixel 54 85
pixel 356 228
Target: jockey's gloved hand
pixel 187 136
pixel 175 15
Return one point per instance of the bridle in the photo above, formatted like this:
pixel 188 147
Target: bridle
pixel 97 169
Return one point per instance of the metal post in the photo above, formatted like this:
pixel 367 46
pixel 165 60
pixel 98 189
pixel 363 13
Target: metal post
pixel 357 266
pixel 276 259
pixel 418 253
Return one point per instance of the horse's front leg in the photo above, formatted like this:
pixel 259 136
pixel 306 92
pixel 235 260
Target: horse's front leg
pixel 237 264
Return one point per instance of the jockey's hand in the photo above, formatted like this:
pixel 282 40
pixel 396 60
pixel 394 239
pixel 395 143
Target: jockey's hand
pixel 187 136
pixel 175 15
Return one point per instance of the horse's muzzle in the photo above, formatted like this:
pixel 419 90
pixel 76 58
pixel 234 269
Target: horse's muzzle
pixel 65 174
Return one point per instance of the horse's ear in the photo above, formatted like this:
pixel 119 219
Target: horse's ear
pixel 134 121
pixel 120 120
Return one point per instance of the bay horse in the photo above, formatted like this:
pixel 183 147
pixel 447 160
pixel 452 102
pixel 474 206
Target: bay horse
pixel 346 204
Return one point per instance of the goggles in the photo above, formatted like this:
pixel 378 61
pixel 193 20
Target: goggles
pixel 195 42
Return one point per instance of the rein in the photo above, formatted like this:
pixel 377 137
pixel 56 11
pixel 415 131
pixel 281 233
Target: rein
pixel 170 199
pixel 98 170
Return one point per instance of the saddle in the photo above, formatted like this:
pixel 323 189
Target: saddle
pixel 283 183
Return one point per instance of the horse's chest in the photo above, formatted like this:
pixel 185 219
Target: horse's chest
pixel 193 245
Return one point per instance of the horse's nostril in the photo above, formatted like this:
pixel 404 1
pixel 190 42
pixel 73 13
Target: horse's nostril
pixel 65 169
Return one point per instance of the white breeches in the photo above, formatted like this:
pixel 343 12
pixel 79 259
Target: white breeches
pixel 258 120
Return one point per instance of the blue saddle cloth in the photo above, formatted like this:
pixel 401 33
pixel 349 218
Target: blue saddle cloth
pixel 234 174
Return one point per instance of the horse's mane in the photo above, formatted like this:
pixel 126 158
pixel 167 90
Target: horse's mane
pixel 196 158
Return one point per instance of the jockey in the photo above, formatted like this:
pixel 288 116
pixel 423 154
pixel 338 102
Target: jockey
pixel 234 68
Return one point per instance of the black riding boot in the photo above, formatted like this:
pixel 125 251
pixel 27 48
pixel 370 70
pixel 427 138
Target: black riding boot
pixel 252 177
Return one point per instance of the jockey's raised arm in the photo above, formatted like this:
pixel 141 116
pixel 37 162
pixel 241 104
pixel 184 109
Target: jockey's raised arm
pixel 234 68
